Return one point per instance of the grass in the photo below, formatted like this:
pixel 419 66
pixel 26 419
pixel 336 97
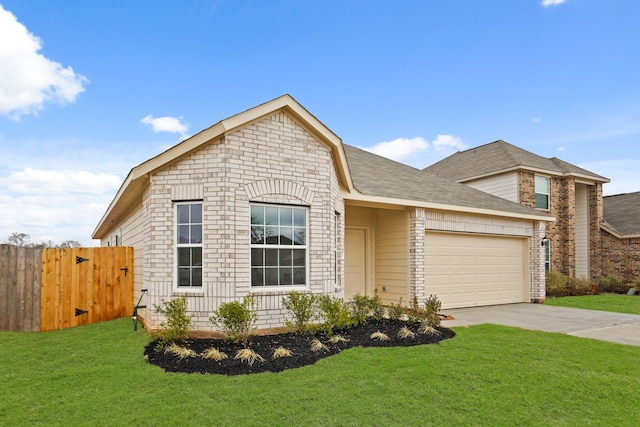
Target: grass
pixel 488 375
pixel 629 304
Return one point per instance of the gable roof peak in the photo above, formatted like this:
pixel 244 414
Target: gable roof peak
pixel 499 157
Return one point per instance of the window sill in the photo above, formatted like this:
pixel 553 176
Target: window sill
pixel 279 291
pixel 187 293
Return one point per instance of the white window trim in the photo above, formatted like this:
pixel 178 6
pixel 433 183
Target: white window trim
pixel 281 288
pixel 180 290
pixel 547 246
pixel 546 194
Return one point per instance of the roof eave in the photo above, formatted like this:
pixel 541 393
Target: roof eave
pixel 364 199
pixel 614 233
pixel 590 178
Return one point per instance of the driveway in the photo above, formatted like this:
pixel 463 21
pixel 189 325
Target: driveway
pixel 600 325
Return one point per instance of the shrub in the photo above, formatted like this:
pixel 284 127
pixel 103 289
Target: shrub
pixel 335 313
pixel 432 308
pixel 556 284
pixel 302 307
pixel 613 284
pixel 360 308
pixel 363 307
pixel 395 311
pixel 577 286
pixel 237 319
pixel 177 323
pixel 414 313
pixel 379 336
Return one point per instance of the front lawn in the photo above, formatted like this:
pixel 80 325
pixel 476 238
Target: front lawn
pixel 605 302
pixel 486 375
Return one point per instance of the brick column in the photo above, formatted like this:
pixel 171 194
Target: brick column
pixel 417 222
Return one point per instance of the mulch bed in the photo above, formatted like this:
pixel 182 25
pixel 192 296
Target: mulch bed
pixel 299 344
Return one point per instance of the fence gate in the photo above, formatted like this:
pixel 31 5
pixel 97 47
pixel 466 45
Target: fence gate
pixel 85 285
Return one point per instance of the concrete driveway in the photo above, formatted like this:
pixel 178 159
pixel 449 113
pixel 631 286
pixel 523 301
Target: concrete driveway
pixel 600 325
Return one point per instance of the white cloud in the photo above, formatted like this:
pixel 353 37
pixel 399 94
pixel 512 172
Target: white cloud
pixel 399 148
pixel 165 124
pixel 55 205
pixel 448 143
pixel 547 3
pixel 560 149
pixel 536 120
pixel 417 151
pixel 29 79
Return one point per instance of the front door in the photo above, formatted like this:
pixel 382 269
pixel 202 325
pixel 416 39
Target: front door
pixel 355 260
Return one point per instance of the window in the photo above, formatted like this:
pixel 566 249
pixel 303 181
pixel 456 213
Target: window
pixel 278 245
pixel 336 222
pixel 547 256
pixel 189 244
pixel 542 192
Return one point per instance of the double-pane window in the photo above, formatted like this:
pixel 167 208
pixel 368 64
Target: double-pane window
pixel 278 245
pixel 189 244
pixel 542 192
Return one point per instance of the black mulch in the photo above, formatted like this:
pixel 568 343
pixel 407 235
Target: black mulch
pixel 299 344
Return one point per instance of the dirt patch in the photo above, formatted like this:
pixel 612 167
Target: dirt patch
pixel 298 344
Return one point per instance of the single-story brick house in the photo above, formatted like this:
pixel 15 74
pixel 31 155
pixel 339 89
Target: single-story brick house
pixel 593 236
pixel 270 200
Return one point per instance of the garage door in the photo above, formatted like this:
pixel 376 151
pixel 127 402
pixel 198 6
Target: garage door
pixel 466 270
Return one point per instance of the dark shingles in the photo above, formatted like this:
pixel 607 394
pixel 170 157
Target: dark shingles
pixel 622 213
pixel 374 175
pixel 499 156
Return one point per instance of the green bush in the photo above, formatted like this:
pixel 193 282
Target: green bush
pixel 613 284
pixel 415 314
pixel 363 307
pixel 335 313
pixel 237 319
pixel 177 323
pixel 302 307
pixel 395 311
pixel 432 308
pixel 556 284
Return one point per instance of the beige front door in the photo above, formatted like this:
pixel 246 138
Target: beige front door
pixel 355 260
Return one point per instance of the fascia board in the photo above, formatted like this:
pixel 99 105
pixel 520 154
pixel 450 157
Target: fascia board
pixel 590 179
pixel 366 200
pixel 618 235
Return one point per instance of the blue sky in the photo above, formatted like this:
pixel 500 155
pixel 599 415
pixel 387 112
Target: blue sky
pixel 89 90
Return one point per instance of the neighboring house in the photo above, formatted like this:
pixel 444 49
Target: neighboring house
pixel 583 242
pixel 620 250
pixel 270 200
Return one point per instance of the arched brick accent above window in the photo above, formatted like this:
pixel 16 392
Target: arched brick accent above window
pixel 257 189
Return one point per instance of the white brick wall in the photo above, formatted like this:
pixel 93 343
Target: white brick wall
pixel 274 160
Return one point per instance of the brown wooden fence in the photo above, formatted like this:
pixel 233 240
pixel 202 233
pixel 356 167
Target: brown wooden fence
pixel 48 289
pixel 20 270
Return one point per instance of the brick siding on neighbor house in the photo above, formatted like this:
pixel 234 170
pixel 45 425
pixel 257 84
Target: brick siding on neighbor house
pixel 562 201
pixel 596 213
pixel 620 257
pixel 273 160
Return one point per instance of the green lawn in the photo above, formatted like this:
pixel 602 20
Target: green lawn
pixel 606 302
pixel 488 375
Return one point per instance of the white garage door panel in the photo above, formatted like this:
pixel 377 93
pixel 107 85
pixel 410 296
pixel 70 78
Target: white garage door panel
pixel 469 270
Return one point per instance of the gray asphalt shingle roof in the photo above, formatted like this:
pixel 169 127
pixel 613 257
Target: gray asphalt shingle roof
pixel 622 213
pixel 374 175
pixel 498 156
